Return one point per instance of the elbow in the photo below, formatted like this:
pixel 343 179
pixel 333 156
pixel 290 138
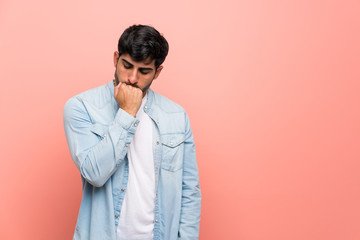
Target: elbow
pixel 94 173
pixel 95 179
pixel 96 183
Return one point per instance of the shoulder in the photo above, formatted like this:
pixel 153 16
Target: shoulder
pixel 83 103
pixel 96 96
pixel 166 104
pixel 171 114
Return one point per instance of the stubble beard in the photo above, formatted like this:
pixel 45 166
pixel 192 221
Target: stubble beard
pixel 144 90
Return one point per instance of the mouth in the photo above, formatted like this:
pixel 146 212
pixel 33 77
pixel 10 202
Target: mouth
pixel 133 85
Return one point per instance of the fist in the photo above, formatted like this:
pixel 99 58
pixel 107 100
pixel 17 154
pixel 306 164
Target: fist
pixel 129 98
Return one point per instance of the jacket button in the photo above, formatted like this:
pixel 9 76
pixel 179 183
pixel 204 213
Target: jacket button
pixel 116 216
pixel 122 190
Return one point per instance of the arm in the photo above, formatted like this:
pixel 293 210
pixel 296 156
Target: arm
pixel 96 158
pixel 191 195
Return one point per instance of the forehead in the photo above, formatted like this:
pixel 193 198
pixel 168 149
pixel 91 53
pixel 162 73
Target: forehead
pixel 147 62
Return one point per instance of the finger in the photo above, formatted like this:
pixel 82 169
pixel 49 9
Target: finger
pixel 132 88
pixel 140 92
pixel 135 88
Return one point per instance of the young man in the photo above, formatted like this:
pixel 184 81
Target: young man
pixel 135 151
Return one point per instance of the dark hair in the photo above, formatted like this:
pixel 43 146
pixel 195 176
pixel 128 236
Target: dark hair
pixel 142 42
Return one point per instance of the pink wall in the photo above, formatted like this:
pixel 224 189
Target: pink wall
pixel 271 87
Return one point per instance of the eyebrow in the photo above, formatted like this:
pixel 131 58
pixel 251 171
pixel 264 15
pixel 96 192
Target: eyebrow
pixel 141 68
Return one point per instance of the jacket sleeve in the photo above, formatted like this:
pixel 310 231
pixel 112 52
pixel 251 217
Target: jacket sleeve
pixel 191 195
pixel 97 150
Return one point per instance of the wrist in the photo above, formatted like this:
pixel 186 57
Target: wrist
pixel 132 113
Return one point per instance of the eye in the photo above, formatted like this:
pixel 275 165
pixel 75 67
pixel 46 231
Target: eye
pixel 144 72
pixel 127 66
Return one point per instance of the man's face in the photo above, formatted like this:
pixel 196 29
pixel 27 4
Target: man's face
pixel 136 74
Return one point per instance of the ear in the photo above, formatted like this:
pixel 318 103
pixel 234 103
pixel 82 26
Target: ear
pixel 116 57
pixel 158 70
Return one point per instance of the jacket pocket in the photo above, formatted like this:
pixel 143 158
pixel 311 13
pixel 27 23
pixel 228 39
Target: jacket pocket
pixel 172 151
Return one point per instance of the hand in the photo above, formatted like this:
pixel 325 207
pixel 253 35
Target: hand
pixel 129 98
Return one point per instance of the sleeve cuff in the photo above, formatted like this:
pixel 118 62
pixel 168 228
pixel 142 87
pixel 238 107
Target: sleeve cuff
pixel 126 121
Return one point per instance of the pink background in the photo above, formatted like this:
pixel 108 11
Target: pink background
pixel 271 88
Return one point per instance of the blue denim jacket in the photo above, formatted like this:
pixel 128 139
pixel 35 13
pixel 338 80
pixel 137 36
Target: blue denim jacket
pixel 99 133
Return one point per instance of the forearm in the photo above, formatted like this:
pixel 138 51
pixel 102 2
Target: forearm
pixel 190 214
pixel 103 159
pixel 190 207
pixel 191 195
pixel 97 149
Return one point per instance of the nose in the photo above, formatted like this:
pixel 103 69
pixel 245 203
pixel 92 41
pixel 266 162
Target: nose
pixel 133 77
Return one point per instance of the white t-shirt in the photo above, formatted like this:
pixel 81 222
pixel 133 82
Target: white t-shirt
pixel 137 212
